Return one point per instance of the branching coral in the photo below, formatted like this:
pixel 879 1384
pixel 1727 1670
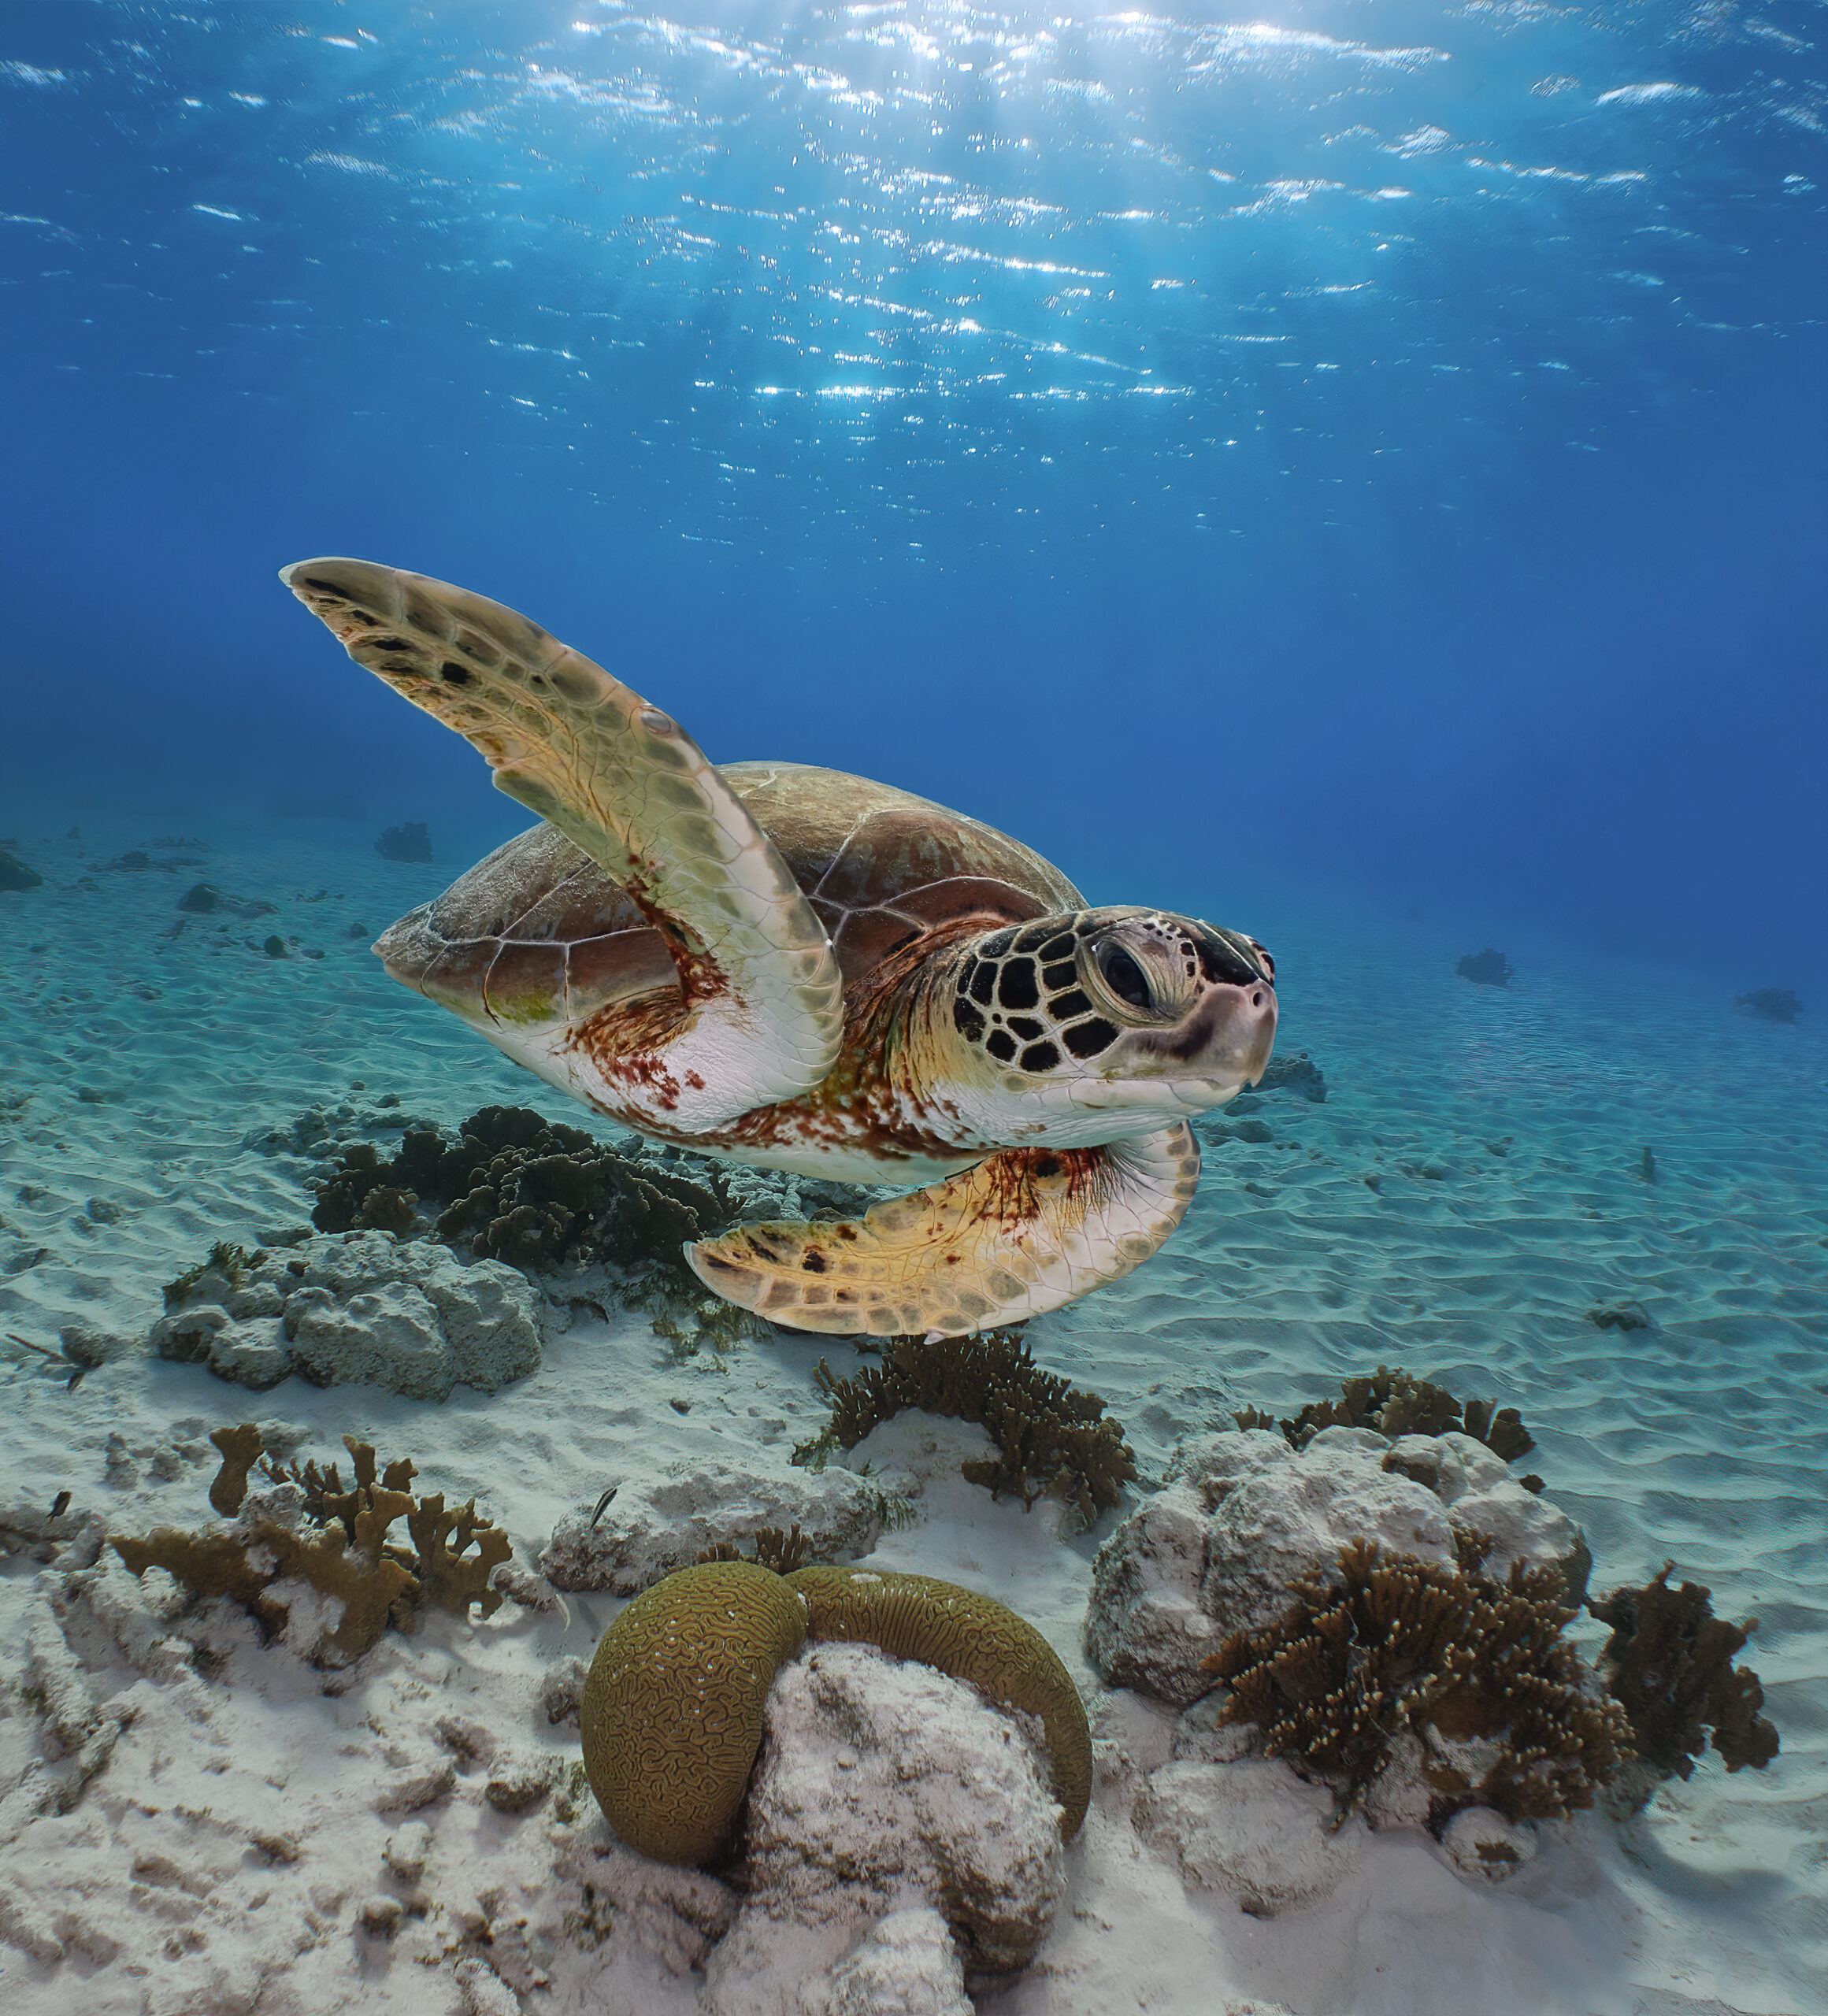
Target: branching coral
pixel 351 1554
pixel 1052 1437
pixel 1669 1662
pixel 1394 1403
pixel 1392 1645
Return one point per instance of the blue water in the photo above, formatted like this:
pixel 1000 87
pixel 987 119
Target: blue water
pixel 1379 444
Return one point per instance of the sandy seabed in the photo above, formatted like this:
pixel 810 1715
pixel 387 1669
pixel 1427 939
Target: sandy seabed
pixel 1473 1187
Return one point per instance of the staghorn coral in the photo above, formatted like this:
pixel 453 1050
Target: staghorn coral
pixel 1394 1403
pixel 351 1554
pixel 1390 1645
pixel 672 1709
pixel 1669 1661
pixel 1052 1437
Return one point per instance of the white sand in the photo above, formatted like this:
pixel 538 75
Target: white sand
pixel 1700 1438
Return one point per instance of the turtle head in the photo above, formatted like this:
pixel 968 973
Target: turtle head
pixel 1116 1011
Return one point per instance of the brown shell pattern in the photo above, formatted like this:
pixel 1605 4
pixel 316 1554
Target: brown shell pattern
pixel 537 933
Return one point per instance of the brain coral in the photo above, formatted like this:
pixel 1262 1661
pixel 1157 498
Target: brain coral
pixel 671 1715
pixel 672 1712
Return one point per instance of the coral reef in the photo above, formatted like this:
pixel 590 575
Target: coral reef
pixel 1053 1437
pixel 882 1784
pixel 409 841
pixel 1490 968
pixel 16 874
pixel 1774 1004
pixel 1387 1644
pixel 351 1556
pixel 1669 1661
pixel 1619 1316
pixel 656 1523
pixel 514 1187
pixel 1244 1515
pixel 412 1318
pixel 671 1713
pixel 1395 1404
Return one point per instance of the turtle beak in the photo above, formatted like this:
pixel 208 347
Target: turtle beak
pixel 1238 1014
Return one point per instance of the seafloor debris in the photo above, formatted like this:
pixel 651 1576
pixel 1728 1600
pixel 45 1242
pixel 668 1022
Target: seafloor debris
pixel 1670 1663
pixel 1490 968
pixel 350 1555
pixel 1394 1403
pixel 1054 1436
pixel 1386 1645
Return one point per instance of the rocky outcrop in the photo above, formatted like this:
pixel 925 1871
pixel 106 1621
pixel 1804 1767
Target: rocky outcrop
pixel 410 1316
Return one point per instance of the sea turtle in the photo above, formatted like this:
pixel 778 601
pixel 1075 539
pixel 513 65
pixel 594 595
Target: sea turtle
pixel 787 966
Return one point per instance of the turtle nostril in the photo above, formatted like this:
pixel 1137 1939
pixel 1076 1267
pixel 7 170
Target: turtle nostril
pixel 1256 1001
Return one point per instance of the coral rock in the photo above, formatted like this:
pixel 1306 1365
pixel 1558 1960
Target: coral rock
pixel 1251 1830
pixel 413 1319
pixel 1215 1551
pixel 880 1783
pixel 655 1524
pixel 908 1966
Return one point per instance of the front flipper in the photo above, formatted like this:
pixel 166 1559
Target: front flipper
pixel 762 1015
pixel 1023 1231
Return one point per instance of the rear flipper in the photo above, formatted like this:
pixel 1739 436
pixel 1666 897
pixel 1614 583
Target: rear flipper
pixel 1020 1232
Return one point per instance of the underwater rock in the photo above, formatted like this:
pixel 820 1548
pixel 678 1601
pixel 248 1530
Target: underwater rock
pixel 412 1318
pixel 1490 968
pixel 880 1783
pixel 15 874
pixel 1298 1074
pixel 655 1524
pixel 1245 1515
pixel 411 841
pixel 1251 1830
pixel 1774 1004
pixel 1485 1846
pixel 908 1966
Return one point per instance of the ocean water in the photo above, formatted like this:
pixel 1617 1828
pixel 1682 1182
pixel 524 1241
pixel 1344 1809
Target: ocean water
pixel 1350 471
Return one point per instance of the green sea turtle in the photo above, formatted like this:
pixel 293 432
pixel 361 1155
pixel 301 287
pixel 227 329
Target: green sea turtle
pixel 786 966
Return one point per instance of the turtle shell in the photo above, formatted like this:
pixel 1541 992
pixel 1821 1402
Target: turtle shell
pixel 537 933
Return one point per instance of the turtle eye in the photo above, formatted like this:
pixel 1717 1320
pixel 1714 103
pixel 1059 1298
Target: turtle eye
pixel 1124 976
